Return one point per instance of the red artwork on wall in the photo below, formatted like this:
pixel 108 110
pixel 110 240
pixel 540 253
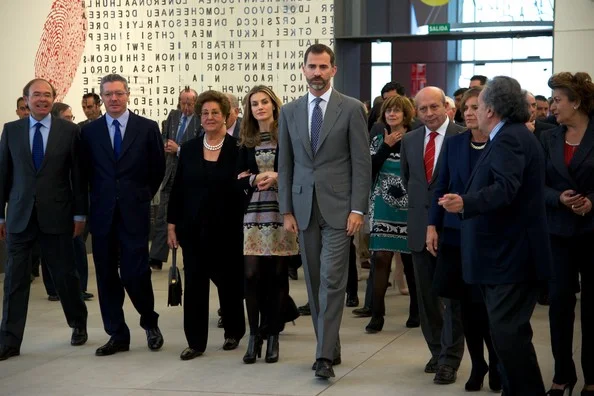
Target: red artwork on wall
pixel 62 44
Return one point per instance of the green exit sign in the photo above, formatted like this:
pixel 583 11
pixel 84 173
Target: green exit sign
pixel 439 28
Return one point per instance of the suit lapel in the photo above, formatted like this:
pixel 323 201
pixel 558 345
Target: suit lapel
pixel 301 119
pixel 584 149
pixel 130 134
pixel 480 161
pixel 558 154
pixel 333 110
pixel 105 140
pixel 27 144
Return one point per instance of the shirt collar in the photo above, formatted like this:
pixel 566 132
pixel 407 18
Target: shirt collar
pixel 441 130
pixel 326 96
pixel 123 119
pixel 46 121
pixel 496 130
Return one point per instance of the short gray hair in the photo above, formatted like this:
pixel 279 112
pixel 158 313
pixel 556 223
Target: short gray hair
pixel 233 100
pixel 113 78
pixel 505 97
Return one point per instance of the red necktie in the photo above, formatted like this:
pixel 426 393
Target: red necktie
pixel 430 156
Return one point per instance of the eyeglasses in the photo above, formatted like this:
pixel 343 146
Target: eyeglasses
pixel 117 94
pixel 214 114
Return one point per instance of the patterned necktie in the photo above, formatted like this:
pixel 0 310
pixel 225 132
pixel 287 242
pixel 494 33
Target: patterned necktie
pixel 37 149
pixel 430 156
pixel 117 139
pixel 316 125
pixel 182 128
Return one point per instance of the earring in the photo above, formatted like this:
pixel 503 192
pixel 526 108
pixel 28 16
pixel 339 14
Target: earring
pixel 575 107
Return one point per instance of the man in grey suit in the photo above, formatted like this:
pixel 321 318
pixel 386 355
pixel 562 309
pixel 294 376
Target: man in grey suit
pixel 40 179
pixel 420 162
pixel 324 183
pixel 182 126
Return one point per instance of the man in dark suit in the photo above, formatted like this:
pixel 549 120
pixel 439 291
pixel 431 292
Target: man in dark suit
pixel 182 126
pixel 126 164
pixel 505 243
pixel 41 180
pixel 91 105
pixel 324 182
pixel 233 120
pixel 535 125
pixel 420 155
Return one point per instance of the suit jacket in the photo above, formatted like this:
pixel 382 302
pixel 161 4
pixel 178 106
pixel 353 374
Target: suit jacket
pixel 540 126
pixel 340 172
pixel 420 193
pixel 453 176
pixel 237 128
pixel 578 176
pixel 504 228
pixel 170 132
pixel 129 183
pixel 57 189
pixel 200 202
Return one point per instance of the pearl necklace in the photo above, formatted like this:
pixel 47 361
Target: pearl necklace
pixel 216 147
pixel 478 147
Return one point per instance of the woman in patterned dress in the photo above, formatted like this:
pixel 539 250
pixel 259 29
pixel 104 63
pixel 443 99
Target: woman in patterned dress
pixel 267 247
pixel 388 209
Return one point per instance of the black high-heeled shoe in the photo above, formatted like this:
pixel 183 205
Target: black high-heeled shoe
pixel 477 376
pixel 567 389
pixel 376 324
pixel 254 349
pixel 272 349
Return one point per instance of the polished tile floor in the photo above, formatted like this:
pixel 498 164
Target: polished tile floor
pixel 387 363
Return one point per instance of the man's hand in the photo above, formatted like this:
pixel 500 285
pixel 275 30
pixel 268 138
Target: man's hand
pixel 290 223
pixel 354 223
pixel 452 203
pixel 530 125
pixel 431 240
pixel 2 231
pixel 79 227
pixel 171 147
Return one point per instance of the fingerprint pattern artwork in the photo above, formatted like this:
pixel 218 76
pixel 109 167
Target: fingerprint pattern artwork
pixel 62 44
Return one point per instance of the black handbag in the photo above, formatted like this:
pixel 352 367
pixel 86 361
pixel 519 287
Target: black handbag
pixel 174 297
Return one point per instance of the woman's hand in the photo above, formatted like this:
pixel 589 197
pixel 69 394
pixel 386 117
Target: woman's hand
pixel 171 236
pixel 581 207
pixel 268 180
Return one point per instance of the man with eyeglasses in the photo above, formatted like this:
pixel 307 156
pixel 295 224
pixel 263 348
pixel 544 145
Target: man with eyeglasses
pixel 181 127
pixel 126 164
pixel 42 183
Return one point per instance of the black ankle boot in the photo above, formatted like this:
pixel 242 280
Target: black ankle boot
pixel 272 349
pixel 477 375
pixel 376 324
pixel 254 349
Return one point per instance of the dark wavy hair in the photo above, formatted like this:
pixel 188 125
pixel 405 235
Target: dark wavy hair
pixel 504 96
pixel 399 103
pixel 213 96
pixel 578 87
pixel 249 132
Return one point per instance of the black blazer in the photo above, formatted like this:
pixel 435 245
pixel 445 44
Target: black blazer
pixel 200 202
pixel 579 176
pixel 540 127
pixel 504 228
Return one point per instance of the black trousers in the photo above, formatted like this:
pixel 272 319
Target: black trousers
pixel 208 256
pixel 134 277
pixel 58 252
pixel 572 257
pixel 510 307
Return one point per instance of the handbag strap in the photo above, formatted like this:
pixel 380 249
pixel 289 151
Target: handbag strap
pixel 174 257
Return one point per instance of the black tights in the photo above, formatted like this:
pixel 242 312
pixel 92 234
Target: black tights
pixel 266 289
pixel 476 330
pixel 382 263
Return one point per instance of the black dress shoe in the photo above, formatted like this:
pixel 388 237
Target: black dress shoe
pixel 53 297
pixel 154 338
pixel 445 375
pixel 335 362
pixel 87 296
pixel 7 352
pixel 230 344
pixel 79 336
pixel 364 312
pixel 304 310
pixel 376 324
pixel 324 369
pixel 352 301
pixel 413 322
pixel 220 323
pixel 293 273
pixel 189 354
pixel 112 347
pixel 431 366
pixel 156 264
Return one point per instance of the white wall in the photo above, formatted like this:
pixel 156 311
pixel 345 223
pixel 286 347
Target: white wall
pixel 573 48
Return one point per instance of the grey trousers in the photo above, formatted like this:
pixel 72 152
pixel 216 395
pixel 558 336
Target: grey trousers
pixel 325 255
pixel 441 319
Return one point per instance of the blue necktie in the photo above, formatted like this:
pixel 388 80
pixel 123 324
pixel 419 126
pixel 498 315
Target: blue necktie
pixel 182 128
pixel 37 149
pixel 117 139
pixel 316 125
